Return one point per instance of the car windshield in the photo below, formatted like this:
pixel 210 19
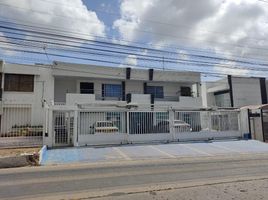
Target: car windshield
pixel 105 124
pixel 179 122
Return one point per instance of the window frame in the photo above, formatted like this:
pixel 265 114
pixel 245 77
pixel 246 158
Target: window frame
pixel 156 91
pixel 186 93
pixel 18 82
pixel 85 91
pixel 112 94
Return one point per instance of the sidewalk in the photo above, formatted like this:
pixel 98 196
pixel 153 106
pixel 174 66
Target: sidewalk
pixel 154 151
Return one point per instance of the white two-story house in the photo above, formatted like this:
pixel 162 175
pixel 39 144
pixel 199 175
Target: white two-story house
pixel 75 83
pixel 26 88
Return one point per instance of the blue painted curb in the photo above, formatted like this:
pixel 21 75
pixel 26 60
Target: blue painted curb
pixel 42 154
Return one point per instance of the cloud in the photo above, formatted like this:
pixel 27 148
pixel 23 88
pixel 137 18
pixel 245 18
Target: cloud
pixel 130 61
pixel 236 27
pixel 66 15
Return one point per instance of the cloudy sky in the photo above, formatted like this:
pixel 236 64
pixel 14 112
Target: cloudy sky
pixel 233 28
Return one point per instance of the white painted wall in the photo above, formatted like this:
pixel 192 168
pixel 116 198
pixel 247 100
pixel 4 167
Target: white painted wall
pixel 246 91
pixel 43 87
pixel 72 85
pixel 72 99
pixel 184 102
pixel 134 87
pixel 62 87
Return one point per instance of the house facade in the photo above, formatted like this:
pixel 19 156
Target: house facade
pixel 84 84
pixel 235 92
pixel 25 89
pixel 68 104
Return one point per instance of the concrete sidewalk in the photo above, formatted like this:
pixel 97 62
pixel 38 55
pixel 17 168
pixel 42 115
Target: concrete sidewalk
pixel 154 151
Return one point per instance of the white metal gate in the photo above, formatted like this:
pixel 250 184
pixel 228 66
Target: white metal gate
pixel 149 126
pixel 101 127
pixel 63 128
pixel 116 126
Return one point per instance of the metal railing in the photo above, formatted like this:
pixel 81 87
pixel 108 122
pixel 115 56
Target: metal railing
pixel 95 126
pixel 141 122
pixel 17 127
pixel 199 121
pixel 102 122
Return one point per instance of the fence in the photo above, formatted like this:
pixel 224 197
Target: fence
pixel 114 126
pixel 17 127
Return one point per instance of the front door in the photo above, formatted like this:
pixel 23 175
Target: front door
pixel 63 128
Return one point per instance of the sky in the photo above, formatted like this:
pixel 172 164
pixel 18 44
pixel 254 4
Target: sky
pixel 227 28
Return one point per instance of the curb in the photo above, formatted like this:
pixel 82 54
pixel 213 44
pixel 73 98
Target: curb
pixel 42 154
pixel 15 161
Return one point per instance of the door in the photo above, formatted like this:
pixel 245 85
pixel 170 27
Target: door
pixel 265 125
pixel 63 128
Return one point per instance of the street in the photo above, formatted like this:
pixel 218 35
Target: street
pixel 185 178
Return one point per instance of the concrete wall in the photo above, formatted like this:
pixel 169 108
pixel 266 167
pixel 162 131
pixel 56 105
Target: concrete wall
pixel 208 98
pixel 72 85
pixel 93 71
pixel 62 87
pixel 43 87
pixel 246 91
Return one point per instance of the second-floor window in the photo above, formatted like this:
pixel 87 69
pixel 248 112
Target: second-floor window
pixel 157 91
pixel 86 88
pixel 112 90
pixel 186 92
pixel 19 83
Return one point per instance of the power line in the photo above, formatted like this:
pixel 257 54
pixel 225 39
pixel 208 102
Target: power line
pixel 139 43
pixel 111 62
pixel 153 58
pixel 144 19
pixel 147 32
pixel 127 53
pixel 128 46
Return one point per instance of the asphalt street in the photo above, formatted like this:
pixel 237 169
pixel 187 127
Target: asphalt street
pixel 125 179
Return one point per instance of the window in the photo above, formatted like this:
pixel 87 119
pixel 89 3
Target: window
pixel 157 91
pixel 186 91
pixel 112 90
pixel 86 88
pixel 19 83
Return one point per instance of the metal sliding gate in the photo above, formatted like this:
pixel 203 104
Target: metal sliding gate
pixel 87 127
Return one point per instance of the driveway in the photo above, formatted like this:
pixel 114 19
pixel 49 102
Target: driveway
pixel 153 151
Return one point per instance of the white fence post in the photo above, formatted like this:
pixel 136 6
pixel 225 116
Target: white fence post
pixel 128 129
pixel 171 123
pixel 209 121
pixel 75 129
pixel 49 139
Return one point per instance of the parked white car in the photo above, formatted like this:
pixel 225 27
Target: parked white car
pixel 179 126
pixel 103 127
pixel 182 126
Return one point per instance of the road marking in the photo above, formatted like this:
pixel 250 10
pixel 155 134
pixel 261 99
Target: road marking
pixel 163 152
pixel 121 153
pixel 197 150
pixel 225 148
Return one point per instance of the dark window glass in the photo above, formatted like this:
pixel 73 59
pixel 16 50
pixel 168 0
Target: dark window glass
pixel 86 88
pixel 112 90
pixel 157 91
pixel 19 83
pixel 186 91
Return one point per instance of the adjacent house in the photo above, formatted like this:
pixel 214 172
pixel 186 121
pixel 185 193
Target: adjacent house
pixel 234 91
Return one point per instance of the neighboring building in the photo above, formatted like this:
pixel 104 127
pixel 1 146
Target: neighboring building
pixel 23 91
pixel 234 92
